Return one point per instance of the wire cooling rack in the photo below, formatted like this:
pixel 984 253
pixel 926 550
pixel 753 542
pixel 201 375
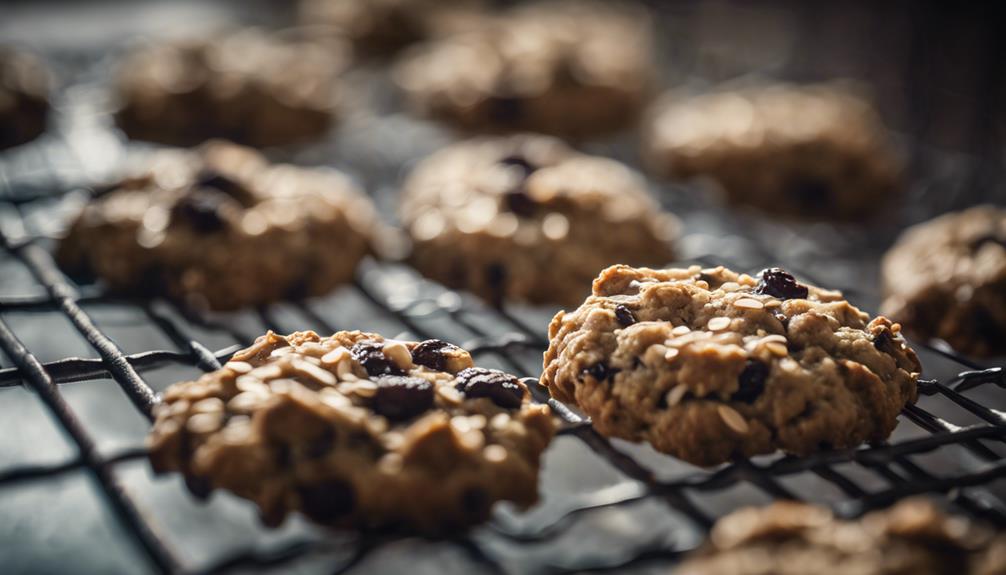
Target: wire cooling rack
pixel 81 371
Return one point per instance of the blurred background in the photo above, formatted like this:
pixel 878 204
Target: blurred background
pixel 936 71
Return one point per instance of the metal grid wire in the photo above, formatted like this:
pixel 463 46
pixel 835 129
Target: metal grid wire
pixel 955 421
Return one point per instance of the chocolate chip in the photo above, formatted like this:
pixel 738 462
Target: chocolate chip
pixel 371 356
pixel 503 389
pixel 200 210
pixel 327 501
pixel 624 316
pixel 779 283
pixel 519 202
pixel 433 353
pixel 600 371
pixel 751 382
pixel 400 397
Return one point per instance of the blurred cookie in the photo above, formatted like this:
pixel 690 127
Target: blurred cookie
pixel 355 430
pixel 385 26
pixel 572 68
pixel 708 364
pixel 24 97
pixel 946 278
pixel 817 152
pixel 219 226
pixel 528 218
pixel 789 538
pixel 251 87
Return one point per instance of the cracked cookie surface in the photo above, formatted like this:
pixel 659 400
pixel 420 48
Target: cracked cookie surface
pixel 251 87
pixel 946 278
pixel 356 431
pixel 24 97
pixel 789 538
pixel 220 227
pixel 709 364
pixel 817 152
pixel 527 218
pixel 569 68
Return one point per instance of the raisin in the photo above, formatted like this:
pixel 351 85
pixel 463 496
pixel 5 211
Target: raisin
pixel 200 487
pixel 600 371
pixel 433 353
pixel 200 210
pixel 327 501
pixel 503 389
pixel 399 397
pixel 519 161
pixel 779 283
pixel 624 316
pixel 475 503
pixel 883 342
pixel 371 356
pixel 751 382
pixel 219 182
pixel 519 202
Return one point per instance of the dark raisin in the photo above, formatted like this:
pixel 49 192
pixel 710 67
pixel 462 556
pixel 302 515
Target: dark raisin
pixel 505 109
pixel 219 182
pixel 751 382
pixel 475 503
pixel 779 283
pixel 519 202
pixel 371 356
pixel 883 341
pixel 200 487
pixel 600 371
pixel 519 161
pixel 200 210
pixel 327 501
pixel 503 389
pixel 624 316
pixel 433 353
pixel 400 397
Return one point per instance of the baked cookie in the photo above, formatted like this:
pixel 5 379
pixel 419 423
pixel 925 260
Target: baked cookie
pixel 384 26
pixel 24 103
pixel 527 218
pixel 946 278
pixel 709 364
pixel 218 226
pixel 789 538
pixel 814 151
pixel 250 87
pixel 355 430
pixel 570 68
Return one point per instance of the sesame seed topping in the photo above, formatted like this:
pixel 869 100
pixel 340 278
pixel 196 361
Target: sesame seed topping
pixel 748 303
pixel 718 323
pixel 675 395
pixel 734 420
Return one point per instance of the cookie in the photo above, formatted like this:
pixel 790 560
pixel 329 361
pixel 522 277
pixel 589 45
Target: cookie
pixel 251 87
pixel 382 27
pixel 709 364
pixel 817 152
pixel 356 431
pixel 570 68
pixel 219 226
pixel 527 218
pixel 789 538
pixel 24 102
pixel 946 279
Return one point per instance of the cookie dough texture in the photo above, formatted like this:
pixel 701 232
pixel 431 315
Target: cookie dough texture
pixel 24 103
pixel 251 87
pixel 789 538
pixel 570 68
pixel 220 227
pixel 356 431
pixel 381 27
pixel 527 218
pixel 817 152
pixel 709 364
pixel 946 279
